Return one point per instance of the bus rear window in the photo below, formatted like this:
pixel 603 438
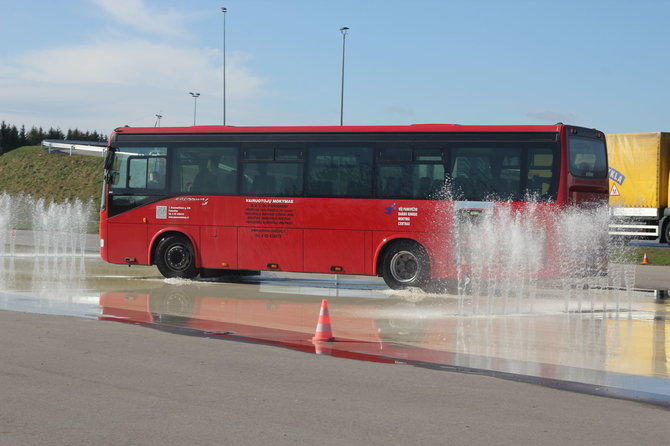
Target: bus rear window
pixel 588 157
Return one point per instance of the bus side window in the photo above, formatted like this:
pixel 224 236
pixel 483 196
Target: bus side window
pixel 425 187
pixel 390 183
pixel 289 187
pixel 182 174
pixel 320 187
pixel 156 178
pixel 506 171
pixel 432 184
pixel 226 183
pixel 204 170
pixel 462 181
pixel 415 173
pixel 272 171
pixel 487 173
pixel 344 171
pixel 205 181
pixel 274 179
pixel 540 173
pixel 226 171
pixel 262 183
pixel 428 173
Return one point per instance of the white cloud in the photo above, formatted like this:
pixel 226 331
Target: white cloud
pixel 105 84
pixel 114 79
pixel 140 63
pixel 135 14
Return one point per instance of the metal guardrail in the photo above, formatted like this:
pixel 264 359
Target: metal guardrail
pixel 74 147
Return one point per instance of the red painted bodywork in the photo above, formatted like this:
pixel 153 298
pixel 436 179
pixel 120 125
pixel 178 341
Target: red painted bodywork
pixel 309 234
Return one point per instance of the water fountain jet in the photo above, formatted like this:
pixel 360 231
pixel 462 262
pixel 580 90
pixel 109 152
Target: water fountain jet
pixel 58 229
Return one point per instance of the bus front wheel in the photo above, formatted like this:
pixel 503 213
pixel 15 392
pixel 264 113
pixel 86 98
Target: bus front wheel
pixel 175 257
pixel 405 264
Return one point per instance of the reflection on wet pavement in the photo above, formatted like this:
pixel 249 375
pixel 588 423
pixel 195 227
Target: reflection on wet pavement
pixel 595 340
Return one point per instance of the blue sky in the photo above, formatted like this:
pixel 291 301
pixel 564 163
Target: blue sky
pixel 100 64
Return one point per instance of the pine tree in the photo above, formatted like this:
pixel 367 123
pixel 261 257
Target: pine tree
pixel 11 137
pixel 23 140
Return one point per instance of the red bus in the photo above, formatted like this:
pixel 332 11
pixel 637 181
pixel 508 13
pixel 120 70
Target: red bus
pixel 366 200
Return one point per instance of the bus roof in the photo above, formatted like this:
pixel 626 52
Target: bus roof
pixel 437 128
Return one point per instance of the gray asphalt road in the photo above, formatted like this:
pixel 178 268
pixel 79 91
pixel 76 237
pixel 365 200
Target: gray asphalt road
pixel 81 382
pixel 652 277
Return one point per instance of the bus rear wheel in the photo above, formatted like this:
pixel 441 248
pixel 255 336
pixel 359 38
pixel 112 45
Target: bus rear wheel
pixel 175 257
pixel 405 264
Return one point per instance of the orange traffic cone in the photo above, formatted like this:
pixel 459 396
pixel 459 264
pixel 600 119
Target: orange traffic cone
pixel 323 331
pixel 645 260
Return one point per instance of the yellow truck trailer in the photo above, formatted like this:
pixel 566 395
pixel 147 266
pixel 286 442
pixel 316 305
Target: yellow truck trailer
pixel 639 166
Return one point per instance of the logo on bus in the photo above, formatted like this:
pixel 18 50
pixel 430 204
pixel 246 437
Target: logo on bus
pixel 616 176
pixel 389 209
pixel 203 200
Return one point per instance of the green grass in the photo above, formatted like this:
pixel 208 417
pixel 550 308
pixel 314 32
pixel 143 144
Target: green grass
pixel 635 254
pixel 54 177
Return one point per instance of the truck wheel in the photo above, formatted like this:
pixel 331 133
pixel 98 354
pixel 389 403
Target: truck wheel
pixel 666 232
pixel 174 257
pixel 405 264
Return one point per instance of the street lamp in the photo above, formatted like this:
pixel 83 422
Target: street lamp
pixel 343 30
pixel 195 103
pixel 224 10
pixel 158 120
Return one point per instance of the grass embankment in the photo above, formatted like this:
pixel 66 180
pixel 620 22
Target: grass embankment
pixel 54 177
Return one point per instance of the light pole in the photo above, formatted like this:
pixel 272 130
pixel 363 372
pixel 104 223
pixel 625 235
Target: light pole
pixel 195 104
pixel 158 120
pixel 343 30
pixel 224 10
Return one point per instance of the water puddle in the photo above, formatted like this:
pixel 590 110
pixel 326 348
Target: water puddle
pixel 615 350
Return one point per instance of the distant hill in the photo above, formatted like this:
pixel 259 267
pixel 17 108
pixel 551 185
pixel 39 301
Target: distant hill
pixel 54 177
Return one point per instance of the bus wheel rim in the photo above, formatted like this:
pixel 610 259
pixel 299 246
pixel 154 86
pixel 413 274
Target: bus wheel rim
pixel 404 266
pixel 178 258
